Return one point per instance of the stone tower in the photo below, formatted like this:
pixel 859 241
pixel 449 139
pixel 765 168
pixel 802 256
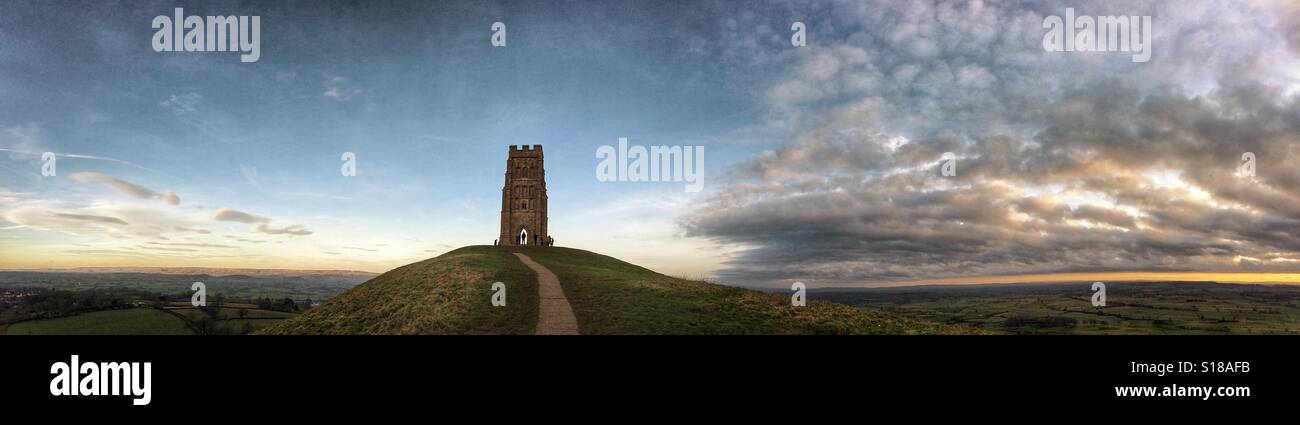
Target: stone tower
pixel 523 199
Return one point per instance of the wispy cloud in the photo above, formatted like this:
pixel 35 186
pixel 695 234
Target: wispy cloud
pixel 90 217
pixel 126 187
pixel 293 230
pixel 192 244
pixel 339 88
pixel 227 214
pixel 33 155
pixel 191 229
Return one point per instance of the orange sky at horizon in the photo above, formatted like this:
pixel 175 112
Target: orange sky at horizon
pixel 55 262
pixel 1222 277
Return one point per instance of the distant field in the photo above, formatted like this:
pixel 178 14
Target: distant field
pixel 1066 308
pixel 147 321
pixel 317 287
pixel 229 320
pixel 228 313
pixel 135 321
pixel 244 326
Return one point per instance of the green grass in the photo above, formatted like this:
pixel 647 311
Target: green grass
pixel 244 326
pixel 610 296
pixel 228 313
pixel 135 321
pixel 449 294
pixel 230 323
pixel 1133 308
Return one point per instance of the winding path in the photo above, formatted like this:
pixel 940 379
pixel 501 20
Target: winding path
pixel 554 315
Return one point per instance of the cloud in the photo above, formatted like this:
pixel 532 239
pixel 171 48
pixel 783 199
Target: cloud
pixel 27 143
pixel 193 110
pixel 1113 181
pixel 189 229
pixel 89 217
pixel 126 187
pixel 186 103
pixel 1123 167
pixel 160 248
pixel 244 240
pixel 339 88
pixel 192 244
pixel 227 214
pixel 47 216
pixel 34 155
pixel 294 230
pixel 107 252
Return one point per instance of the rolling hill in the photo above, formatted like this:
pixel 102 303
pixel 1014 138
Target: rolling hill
pixel 209 271
pixel 450 294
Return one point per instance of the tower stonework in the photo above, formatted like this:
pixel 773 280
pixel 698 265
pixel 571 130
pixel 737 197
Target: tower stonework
pixel 523 199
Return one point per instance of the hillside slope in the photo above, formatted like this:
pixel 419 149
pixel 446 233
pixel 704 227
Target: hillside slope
pixel 610 296
pixel 448 294
pixel 451 294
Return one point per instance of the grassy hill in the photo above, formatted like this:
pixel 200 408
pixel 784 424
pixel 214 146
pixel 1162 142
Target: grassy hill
pixel 451 294
pixel 448 294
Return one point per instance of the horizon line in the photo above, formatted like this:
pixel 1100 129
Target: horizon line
pixel 1248 277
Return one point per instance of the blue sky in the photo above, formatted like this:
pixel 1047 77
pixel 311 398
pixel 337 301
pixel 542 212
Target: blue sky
pixel 414 90
pixel 821 161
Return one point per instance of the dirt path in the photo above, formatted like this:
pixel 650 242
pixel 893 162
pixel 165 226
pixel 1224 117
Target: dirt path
pixel 554 316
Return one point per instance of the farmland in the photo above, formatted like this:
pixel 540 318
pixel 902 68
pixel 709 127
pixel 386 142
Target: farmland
pixel 135 321
pixel 136 303
pixel 1066 308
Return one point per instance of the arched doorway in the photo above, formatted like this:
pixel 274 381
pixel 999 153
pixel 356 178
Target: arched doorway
pixel 523 237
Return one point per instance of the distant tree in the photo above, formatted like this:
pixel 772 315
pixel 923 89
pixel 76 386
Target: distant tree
pixel 214 307
pixel 243 312
pixel 207 325
pixel 288 305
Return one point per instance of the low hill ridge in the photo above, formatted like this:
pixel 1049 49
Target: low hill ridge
pixel 451 293
pixel 210 271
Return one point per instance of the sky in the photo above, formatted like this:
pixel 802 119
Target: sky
pixel 823 161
